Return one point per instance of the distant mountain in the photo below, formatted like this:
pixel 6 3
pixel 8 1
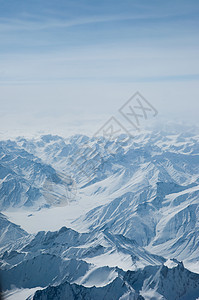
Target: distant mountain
pixel 132 204
pixel 25 181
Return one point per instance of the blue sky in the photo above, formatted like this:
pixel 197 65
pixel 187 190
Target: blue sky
pixel 71 63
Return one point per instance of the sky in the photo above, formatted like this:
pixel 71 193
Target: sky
pixel 67 66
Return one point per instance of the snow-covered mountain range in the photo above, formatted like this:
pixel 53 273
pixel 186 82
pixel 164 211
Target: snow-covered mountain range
pixel 100 219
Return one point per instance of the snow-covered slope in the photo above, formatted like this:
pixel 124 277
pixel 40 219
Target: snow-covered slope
pixel 115 290
pixel 87 258
pixel 9 232
pixel 166 224
pixel 149 283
